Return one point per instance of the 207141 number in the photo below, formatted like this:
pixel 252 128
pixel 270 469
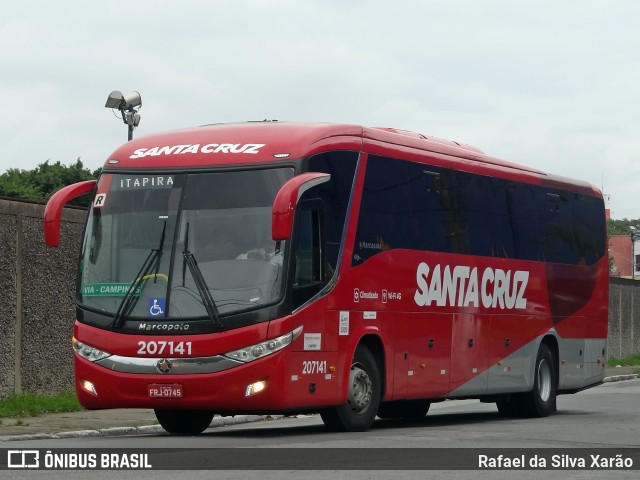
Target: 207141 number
pixel 314 366
pixel 161 347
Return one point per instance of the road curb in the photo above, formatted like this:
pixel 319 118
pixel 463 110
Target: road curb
pixel 619 378
pixel 141 430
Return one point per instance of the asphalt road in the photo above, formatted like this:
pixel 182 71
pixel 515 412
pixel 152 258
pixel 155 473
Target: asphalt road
pixel 604 417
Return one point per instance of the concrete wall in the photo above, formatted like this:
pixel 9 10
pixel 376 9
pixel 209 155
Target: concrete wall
pixel 37 299
pixel 624 318
pixel 37 302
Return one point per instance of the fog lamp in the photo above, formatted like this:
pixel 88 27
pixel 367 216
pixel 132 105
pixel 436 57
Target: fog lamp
pixel 255 388
pixel 89 387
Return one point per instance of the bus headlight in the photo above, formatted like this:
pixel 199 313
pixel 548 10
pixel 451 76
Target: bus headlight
pixel 87 352
pixel 259 350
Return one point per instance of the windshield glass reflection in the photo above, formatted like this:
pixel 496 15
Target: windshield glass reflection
pixel 182 246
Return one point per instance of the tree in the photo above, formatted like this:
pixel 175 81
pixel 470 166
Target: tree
pixel 621 227
pixel 44 180
pixel 16 183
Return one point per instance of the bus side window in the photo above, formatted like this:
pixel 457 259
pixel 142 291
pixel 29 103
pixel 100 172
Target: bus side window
pixel 311 271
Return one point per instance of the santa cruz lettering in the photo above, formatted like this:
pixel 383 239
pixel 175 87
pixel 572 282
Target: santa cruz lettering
pixel 463 286
pixel 251 148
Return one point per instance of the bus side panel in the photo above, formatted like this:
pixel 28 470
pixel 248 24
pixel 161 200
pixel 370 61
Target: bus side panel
pixel 313 376
pixel 312 379
pixel 578 296
pixel 509 333
pixel 421 354
pixel 595 358
pixel 582 362
pixel 469 353
pixel 428 367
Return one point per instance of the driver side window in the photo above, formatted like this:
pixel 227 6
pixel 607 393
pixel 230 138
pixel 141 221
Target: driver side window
pixel 310 270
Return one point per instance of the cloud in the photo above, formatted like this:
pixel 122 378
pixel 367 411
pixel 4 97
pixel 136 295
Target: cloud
pixel 550 84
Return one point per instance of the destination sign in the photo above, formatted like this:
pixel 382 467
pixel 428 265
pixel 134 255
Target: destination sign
pixel 107 290
pixel 142 182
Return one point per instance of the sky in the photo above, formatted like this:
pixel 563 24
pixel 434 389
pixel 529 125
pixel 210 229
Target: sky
pixel 550 84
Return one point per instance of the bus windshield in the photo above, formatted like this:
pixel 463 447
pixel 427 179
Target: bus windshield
pixel 169 246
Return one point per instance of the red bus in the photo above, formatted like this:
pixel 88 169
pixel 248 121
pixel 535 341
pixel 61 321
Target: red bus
pixel 273 267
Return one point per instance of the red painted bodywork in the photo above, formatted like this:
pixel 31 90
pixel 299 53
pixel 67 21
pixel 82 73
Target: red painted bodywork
pixel 285 203
pixel 53 210
pixel 567 301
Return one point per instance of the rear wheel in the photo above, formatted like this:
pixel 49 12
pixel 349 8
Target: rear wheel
pixel 358 413
pixel 541 400
pixel 184 422
pixel 410 409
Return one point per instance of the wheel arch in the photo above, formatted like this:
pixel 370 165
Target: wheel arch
pixel 376 347
pixel 552 342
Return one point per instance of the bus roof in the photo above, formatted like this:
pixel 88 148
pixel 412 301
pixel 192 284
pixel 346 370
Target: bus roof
pixel 264 141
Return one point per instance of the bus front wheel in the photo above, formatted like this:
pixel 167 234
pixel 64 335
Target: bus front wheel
pixel 358 413
pixel 184 422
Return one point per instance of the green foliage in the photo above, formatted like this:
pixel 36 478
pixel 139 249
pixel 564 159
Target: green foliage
pixel 44 180
pixel 621 227
pixel 31 405
pixel 632 360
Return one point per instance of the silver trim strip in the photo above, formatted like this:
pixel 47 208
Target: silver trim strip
pixel 179 366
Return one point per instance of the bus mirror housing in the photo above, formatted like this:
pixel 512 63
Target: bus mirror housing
pixel 53 210
pixel 284 206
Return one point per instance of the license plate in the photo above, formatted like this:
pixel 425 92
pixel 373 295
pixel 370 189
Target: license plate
pixel 156 390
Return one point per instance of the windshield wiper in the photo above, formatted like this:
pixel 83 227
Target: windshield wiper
pixel 207 300
pixel 130 298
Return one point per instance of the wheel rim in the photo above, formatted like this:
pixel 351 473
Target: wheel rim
pixel 544 380
pixel 360 390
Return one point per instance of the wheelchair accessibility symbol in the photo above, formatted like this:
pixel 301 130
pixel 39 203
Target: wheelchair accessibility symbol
pixel 156 307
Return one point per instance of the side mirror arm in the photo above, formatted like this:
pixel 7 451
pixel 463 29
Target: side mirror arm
pixel 53 210
pixel 284 205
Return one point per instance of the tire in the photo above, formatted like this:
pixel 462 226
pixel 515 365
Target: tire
pixel 408 409
pixel 184 422
pixel 359 412
pixel 541 400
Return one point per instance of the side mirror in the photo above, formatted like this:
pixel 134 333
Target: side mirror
pixel 53 210
pixel 284 206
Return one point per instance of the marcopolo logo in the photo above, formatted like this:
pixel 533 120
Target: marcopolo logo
pixel 463 286
pixel 166 327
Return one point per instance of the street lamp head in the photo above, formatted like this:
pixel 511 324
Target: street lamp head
pixel 114 100
pixel 128 105
pixel 132 100
pixel 123 102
